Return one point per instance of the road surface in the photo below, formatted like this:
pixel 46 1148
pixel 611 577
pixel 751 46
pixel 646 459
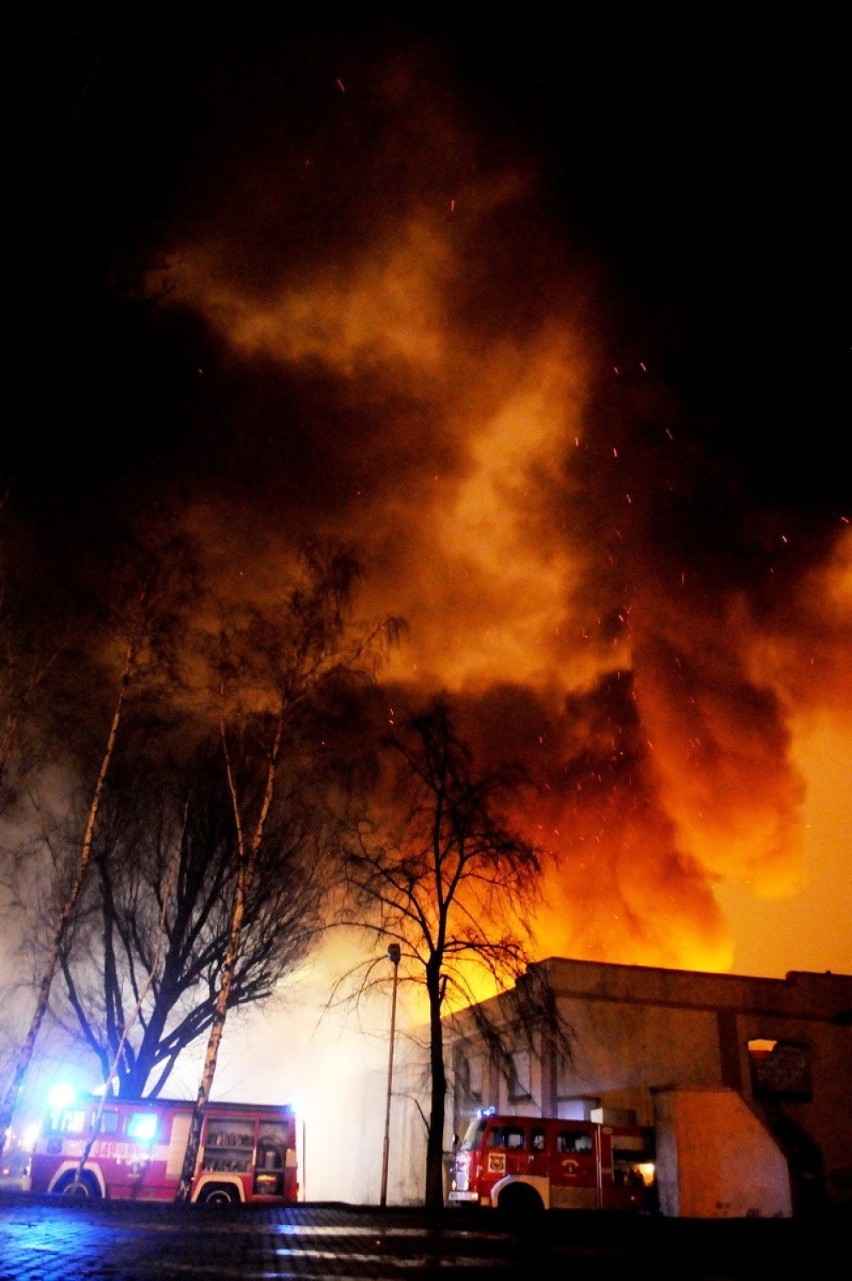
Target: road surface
pixel 55 1239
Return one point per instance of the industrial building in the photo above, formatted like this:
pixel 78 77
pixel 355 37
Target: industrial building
pixel 747 1080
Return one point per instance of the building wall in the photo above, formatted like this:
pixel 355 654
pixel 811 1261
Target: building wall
pixel 637 1030
pixel 715 1159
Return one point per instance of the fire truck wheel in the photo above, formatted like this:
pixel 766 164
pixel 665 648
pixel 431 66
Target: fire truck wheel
pixel 519 1199
pixel 219 1194
pixel 86 1186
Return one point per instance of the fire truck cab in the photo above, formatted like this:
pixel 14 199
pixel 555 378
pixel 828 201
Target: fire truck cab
pixel 533 1163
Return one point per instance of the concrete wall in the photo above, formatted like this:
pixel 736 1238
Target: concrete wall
pixel 715 1159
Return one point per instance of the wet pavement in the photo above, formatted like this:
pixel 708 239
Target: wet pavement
pixel 54 1239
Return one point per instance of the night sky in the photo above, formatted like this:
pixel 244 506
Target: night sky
pixel 549 315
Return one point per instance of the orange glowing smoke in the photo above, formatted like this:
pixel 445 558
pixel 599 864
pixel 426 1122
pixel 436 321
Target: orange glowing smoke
pixel 520 502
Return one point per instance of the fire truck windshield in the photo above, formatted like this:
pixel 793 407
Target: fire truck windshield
pixel 473 1135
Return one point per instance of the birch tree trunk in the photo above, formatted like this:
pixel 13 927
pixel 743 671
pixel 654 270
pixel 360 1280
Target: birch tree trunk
pixel 247 859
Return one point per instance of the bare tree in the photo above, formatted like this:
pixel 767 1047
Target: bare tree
pixel 142 963
pixel 138 655
pixel 135 1013
pixel 444 875
pixel 272 665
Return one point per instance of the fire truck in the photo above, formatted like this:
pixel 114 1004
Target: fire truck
pixel 247 1151
pixel 522 1164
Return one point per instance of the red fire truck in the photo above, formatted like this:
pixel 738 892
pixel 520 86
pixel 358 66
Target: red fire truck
pixel 531 1163
pixel 247 1151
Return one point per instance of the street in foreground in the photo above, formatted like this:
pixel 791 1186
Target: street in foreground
pixel 57 1239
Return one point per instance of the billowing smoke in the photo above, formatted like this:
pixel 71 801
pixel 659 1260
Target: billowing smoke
pixel 409 357
pixel 391 316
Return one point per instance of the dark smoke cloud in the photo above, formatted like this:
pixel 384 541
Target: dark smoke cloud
pixel 548 335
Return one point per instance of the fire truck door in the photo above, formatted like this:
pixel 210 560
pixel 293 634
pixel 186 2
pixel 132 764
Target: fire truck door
pixel 507 1151
pixel 574 1178
pixel 516 1150
pixel 538 1157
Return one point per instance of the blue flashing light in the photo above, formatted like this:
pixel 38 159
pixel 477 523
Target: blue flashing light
pixel 61 1095
pixel 492 1111
pixel 142 1126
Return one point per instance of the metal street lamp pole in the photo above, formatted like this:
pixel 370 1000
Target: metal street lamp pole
pixel 394 954
pixel 304 1171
